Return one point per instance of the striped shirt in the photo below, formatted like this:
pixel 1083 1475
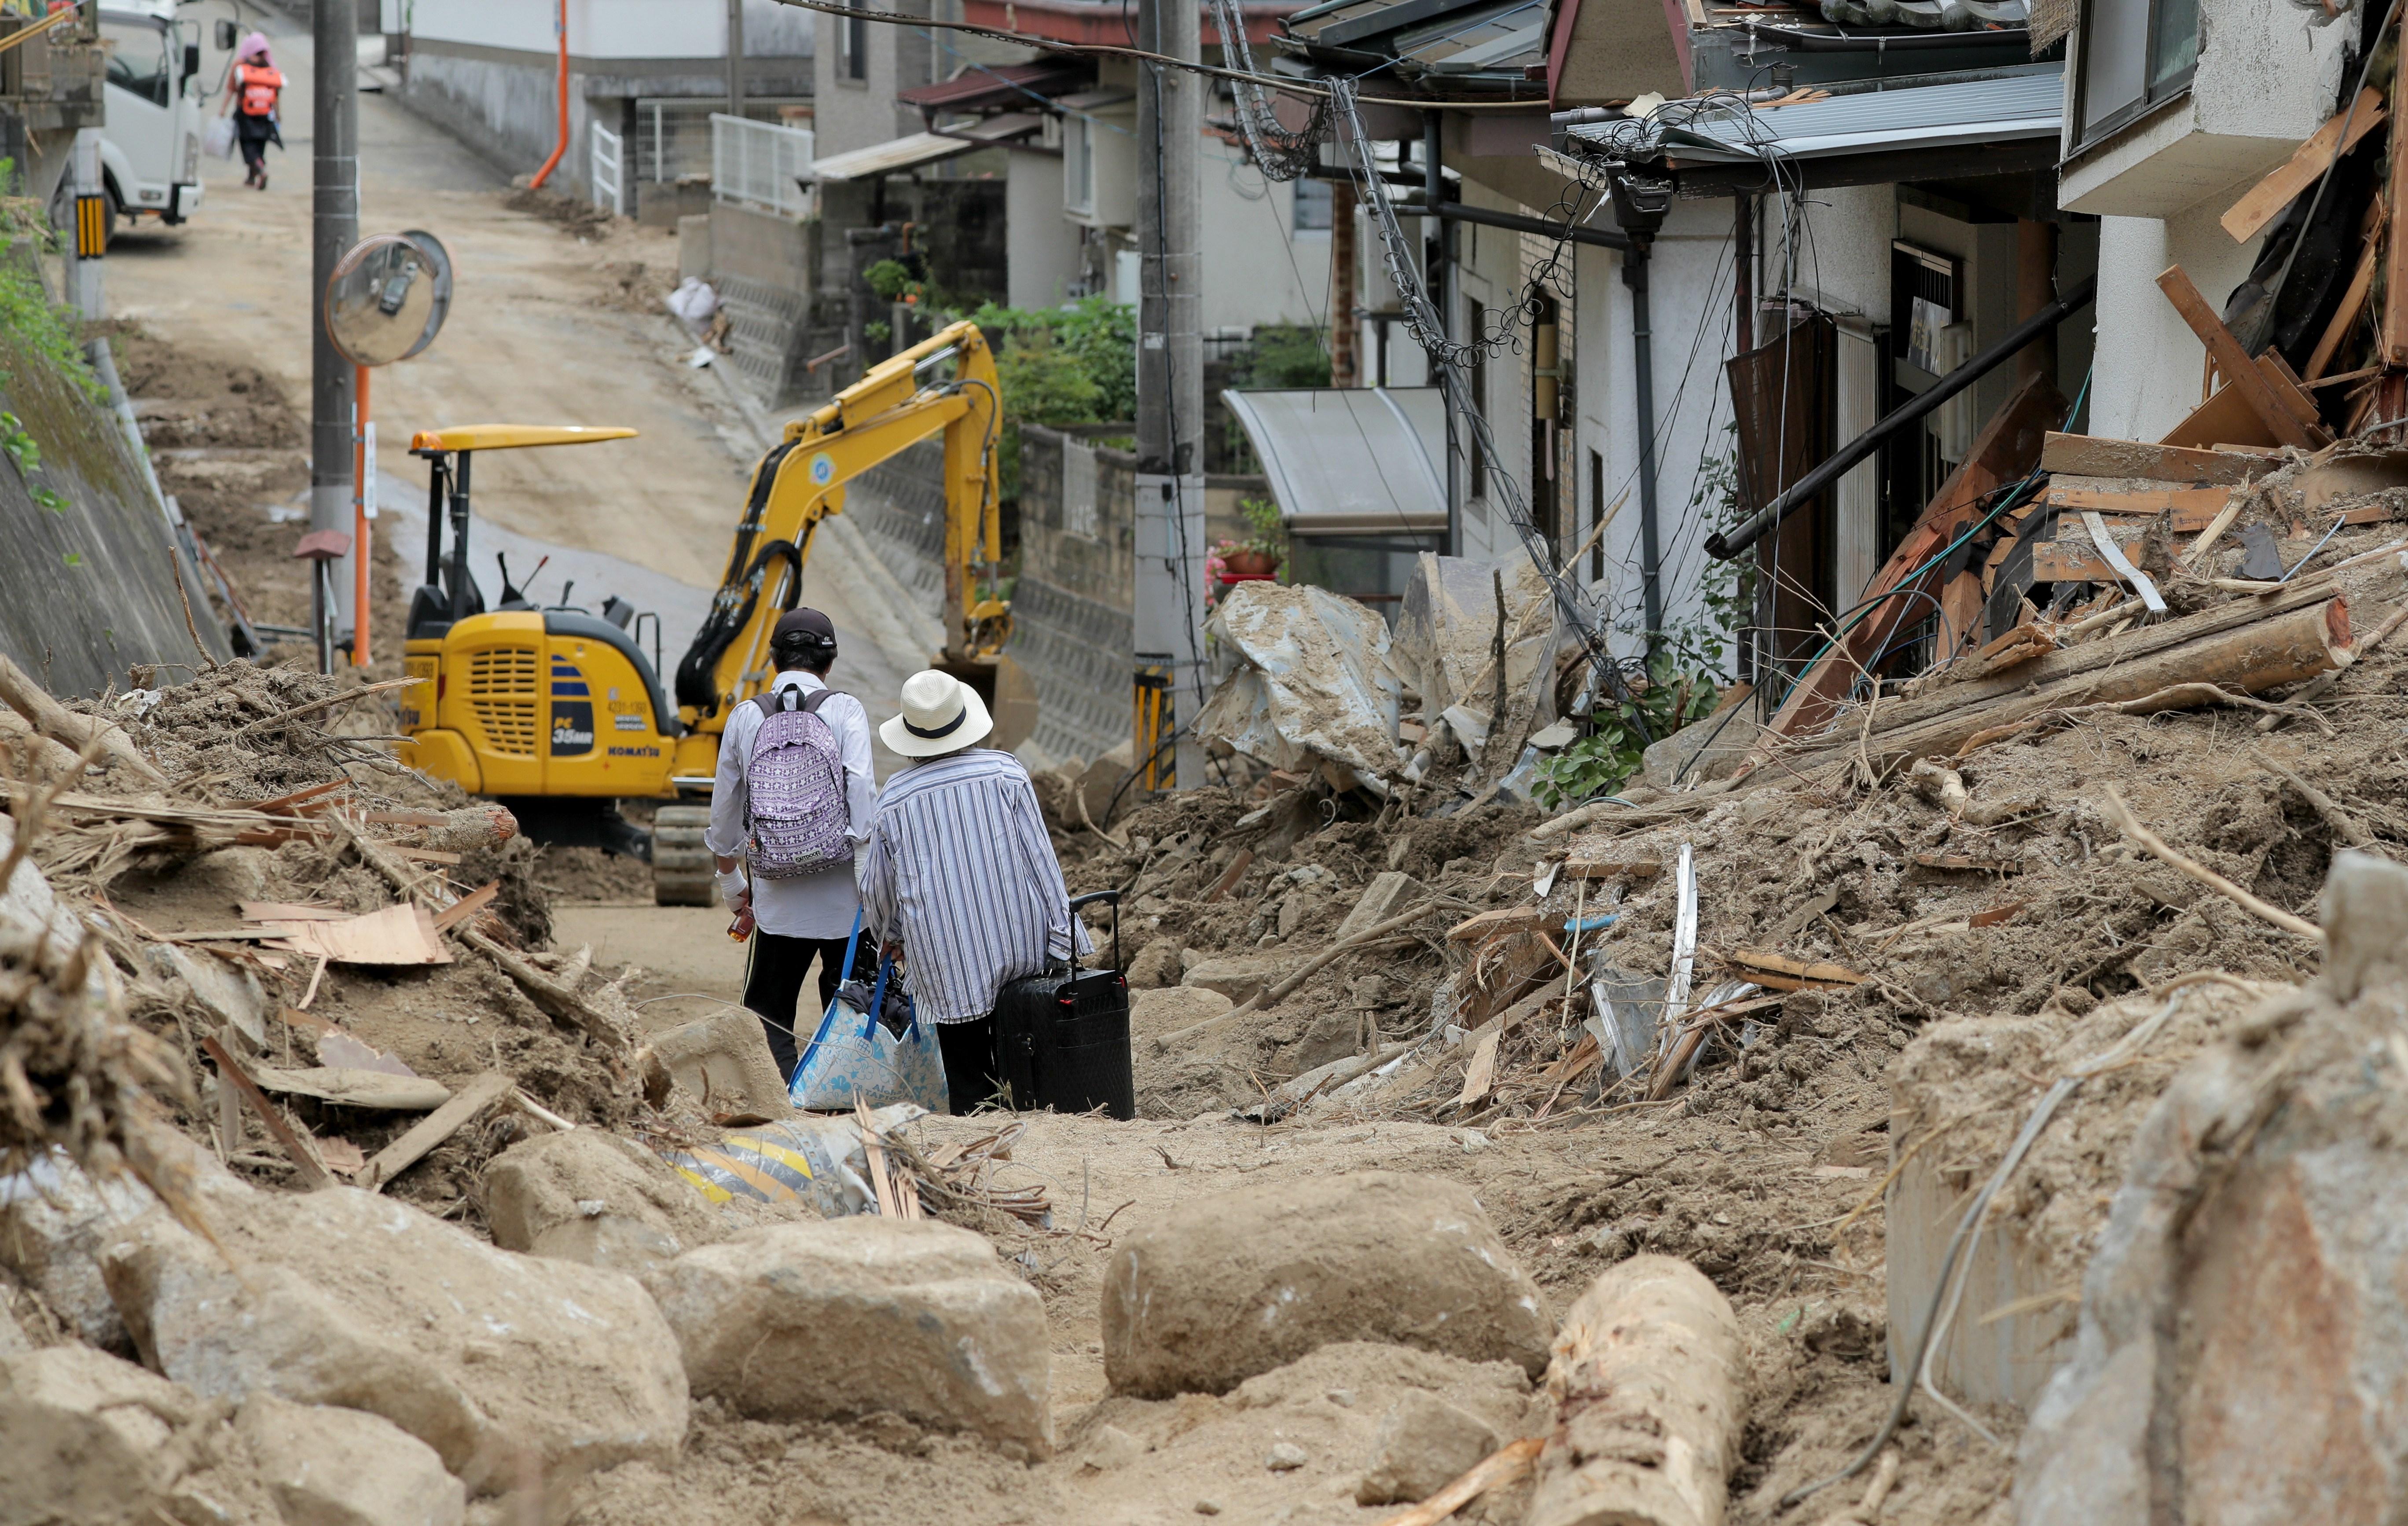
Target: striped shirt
pixel 959 870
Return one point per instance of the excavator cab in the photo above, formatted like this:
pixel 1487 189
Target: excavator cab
pixel 554 711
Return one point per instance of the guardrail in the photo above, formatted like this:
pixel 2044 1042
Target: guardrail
pixel 759 163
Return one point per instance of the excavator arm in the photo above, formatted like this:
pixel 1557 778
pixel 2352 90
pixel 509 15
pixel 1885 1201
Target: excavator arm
pixel 945 385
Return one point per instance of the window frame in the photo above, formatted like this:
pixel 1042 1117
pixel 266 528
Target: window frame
pixel 2152 97
pixel 852 45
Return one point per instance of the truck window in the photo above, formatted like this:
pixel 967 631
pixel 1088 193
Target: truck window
pixel 137 59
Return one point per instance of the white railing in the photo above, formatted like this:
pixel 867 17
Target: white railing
pixel 760 164
pixel 608 174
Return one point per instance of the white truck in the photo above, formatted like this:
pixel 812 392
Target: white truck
pixel 150 145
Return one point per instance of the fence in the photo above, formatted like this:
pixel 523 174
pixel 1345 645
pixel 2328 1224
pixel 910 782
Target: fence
pixel 608 173
pixel 758 163
pixel 672 133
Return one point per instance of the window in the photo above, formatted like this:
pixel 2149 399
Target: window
pixel 1079 164
pixel 2135 54
pixel 852 45
pixel 1595 517
pixel 1479 481
pixel 1312 206
pixel 138 58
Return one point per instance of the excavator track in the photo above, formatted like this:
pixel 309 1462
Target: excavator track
pixel 681 870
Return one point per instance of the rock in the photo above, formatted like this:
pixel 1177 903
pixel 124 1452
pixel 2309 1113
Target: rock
pixel 1422 1445
pixel 1710 749
pixel 2365 913
pixel 838 1319
pixel 724 1061
pixel 326 1466
pixel 1153 1013
pixel 235 875
pixel 86 1438
pixel 1113 1448
pixel 1285 1457
pixel 1208 1507
pixel 339 1297
pixel 53 1221
pixel 1155 968
pixel 1237 976
pixel 1389 893
pixel 1223 1288
pixel 230 993
pixel 593 1197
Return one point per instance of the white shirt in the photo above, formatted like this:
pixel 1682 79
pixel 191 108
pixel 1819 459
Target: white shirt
pixel 820 905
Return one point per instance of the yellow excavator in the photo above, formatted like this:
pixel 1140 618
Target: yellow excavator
pixel 558 712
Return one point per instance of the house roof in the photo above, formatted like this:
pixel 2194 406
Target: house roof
pixel 984 86
pixel 1105 20
pixel 1476 46
pixel 896 155
pixel 1352 460
pixel 2027 103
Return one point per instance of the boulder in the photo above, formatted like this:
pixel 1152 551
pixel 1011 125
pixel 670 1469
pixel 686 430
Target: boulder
pixel 725 1061
pixel 339 1297
pixel 593 1197
pixel 1152 1013
pixel 1226 1287
pixel 1422 1445
pixel 1155 968
pixel 843 1318
pixel 1389 893
pixel 90 1439
pixel 54 1218
pixel 326 1466
pixel 1238 977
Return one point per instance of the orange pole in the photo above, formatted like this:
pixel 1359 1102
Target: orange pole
pixel 360 558
pixel 559 25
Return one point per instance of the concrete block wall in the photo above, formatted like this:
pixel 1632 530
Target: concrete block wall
pixel 1072 609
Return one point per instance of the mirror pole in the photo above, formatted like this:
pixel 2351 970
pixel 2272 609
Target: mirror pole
pixel 361 529
pixel 334 228
pixel 460 584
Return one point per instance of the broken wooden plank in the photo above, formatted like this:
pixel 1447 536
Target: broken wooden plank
pixel 284 911
pixel 434 1128
pixel 1481 1074
pixel 1243 860
pixel 1767 968
pixel 2264 201
pixel 357 1088
pixel 1503 920
pixel 306 1164
pixel 1963 864
pixel 2241 374
pixel 2345 318
pixel 466 907
pixel 1613 868
pixel 2193 508
pixel 2095 455
pixel 403 934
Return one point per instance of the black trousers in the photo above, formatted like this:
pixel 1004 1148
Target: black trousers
pixel 774 970
pixel 251 133
pixel 969 1049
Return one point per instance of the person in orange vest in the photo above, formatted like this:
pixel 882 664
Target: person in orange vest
pixel 252 95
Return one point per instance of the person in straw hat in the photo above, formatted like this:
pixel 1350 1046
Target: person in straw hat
pixel 959 875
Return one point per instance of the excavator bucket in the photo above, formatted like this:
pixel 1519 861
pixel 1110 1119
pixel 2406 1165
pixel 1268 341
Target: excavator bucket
pixel 1009 694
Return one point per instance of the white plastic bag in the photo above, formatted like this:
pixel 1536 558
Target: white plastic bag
pixel 693 300
pixel 852 1059
pixel 217 138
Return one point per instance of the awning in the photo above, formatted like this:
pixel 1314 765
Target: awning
pixel 2028 104
pixel 1351 460
pixel 906 153
pixel 983 87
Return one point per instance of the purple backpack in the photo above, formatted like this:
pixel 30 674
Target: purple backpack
pixel 796 818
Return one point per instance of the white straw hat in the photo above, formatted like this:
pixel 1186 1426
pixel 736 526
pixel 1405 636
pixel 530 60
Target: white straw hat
pixel 940 714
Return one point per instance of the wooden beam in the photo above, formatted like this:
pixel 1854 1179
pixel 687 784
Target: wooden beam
pixel 434 1128
pixel 2264 201
pixel 2193 508
pixel 2093 455
pixel 2345 318
pixel 307 1167
pixel 2242 372
pixel 2393 348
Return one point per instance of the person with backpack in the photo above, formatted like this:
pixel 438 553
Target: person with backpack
pixel 794 798
pixel 256 86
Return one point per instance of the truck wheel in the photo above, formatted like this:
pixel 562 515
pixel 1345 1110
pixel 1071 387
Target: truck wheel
pixel 681 869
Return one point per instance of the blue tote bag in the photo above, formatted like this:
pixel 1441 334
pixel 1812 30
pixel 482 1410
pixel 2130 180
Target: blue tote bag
pixel 852 1059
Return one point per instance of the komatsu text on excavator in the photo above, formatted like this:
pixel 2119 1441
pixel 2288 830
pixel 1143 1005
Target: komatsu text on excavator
pixel 559 714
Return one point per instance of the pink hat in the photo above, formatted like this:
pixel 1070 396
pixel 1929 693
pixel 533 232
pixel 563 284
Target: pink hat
pixel 253 48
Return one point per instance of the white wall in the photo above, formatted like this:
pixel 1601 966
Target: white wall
pixel 1044 252
pixel 2148 362
pixel 1691 288
pixel 1834 248
pixel 607 29
pixel 1257 269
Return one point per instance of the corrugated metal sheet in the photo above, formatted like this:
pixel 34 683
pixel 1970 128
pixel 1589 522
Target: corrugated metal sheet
pixel 2025 104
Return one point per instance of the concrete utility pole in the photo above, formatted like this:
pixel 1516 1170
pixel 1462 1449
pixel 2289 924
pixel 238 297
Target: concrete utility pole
pixel 334 227
pixel 88 189
pixel 736 57
pixel 1169 617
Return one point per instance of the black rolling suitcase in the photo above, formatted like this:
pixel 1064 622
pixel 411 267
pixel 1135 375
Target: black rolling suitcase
pixel 1062 1040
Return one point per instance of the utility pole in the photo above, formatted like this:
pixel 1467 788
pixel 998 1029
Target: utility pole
pixel 1169 607
pixel 736 57
pixel 334 227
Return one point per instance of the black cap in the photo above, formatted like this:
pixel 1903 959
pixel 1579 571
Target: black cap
pixel 810 625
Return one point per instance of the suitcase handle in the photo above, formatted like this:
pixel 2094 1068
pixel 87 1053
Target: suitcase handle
pixel 1114 897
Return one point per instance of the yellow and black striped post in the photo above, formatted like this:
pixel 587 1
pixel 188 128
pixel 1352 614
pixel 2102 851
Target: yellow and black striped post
pixel 91 226
pixel 1154 718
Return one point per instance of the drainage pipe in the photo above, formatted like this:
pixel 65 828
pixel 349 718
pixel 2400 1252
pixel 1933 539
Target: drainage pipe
pixel 1643 356
pixel 560 30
